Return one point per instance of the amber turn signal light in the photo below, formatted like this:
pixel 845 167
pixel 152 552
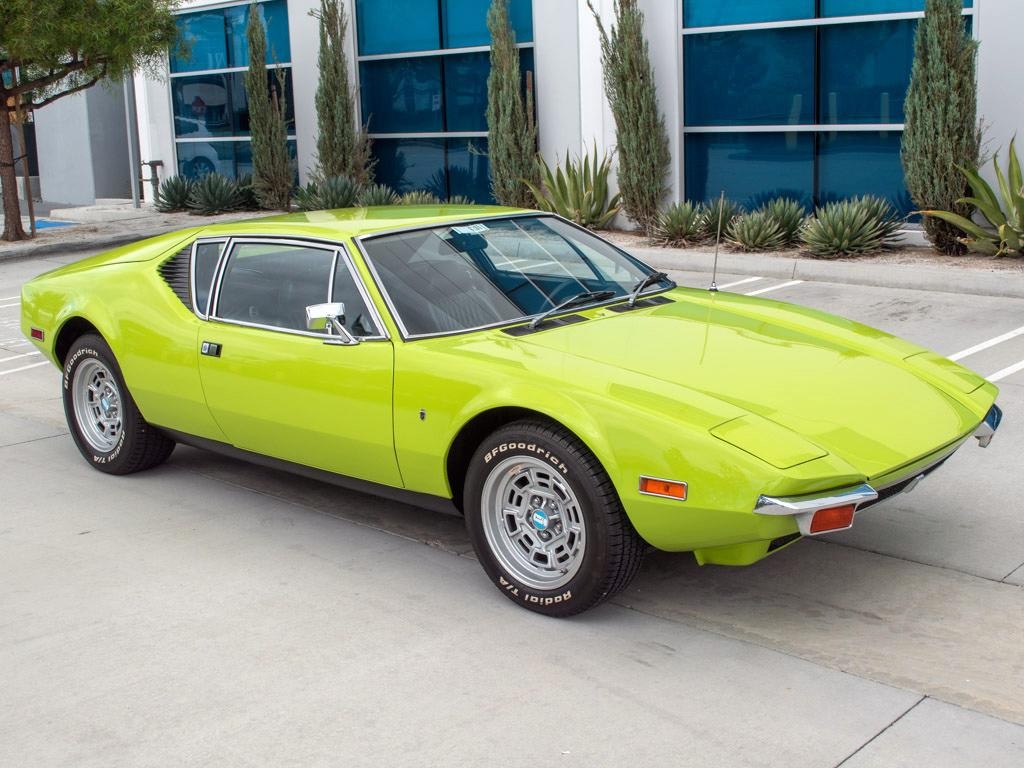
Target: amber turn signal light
pixel 670 489
pixel 833 518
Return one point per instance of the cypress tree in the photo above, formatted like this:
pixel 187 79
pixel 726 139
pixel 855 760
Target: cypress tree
pixel 512 138
pixel 641 138
pixel 272 174
pixel 941 124
pixel 342 148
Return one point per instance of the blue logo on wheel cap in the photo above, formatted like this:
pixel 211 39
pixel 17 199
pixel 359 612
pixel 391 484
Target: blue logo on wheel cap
pixel 540 520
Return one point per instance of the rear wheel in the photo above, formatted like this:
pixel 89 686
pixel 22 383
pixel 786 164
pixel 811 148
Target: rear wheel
pixel 104 421
pixel 546 522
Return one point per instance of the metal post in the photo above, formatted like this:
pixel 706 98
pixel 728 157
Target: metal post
pixel 132 122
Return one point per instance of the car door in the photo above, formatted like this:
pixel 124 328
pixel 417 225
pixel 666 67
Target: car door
pixel 278 389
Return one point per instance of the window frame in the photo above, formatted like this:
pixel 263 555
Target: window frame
pixel 359 241
pixel 340 254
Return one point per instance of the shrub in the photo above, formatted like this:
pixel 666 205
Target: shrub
pixel 247 194
pixel 941 130
pixel 756 231
pixel 719 210
pixel 273 176
pixel 214 193
pixel 459 200
pixel 577 190
pixel 377 194
pixel 679 225
pixel 173 194
pixel 512 137
pixel 419 197
pixel 851 228
pixel 342 149
pixel 640 134
pixel 327 195
pixel 1005 234
pixel 790 216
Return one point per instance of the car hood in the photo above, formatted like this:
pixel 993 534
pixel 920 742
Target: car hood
pixel 833 386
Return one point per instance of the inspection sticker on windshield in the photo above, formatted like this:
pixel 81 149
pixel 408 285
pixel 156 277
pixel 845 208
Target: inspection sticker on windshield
pixel 470 229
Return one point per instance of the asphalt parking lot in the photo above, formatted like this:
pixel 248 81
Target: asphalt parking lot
pixel 213 613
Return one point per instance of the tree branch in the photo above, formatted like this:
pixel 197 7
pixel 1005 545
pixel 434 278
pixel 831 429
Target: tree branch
pixel 76 89
pixel 54 77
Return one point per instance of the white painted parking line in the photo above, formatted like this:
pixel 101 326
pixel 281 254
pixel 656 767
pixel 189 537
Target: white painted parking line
pixel 10 298
pixel 9 306
pixel 988 344
pixel 775 287
pixel 23 368
pixel 1008 371
pixel 15 357
pixel 739 282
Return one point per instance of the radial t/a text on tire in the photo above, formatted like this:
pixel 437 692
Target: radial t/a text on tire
pixel 546 522
pixel 104 420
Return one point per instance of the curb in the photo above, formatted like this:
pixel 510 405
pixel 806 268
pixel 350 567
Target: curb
pixel 963 280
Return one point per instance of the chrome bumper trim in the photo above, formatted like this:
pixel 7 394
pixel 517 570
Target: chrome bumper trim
pixel 987 429
pixel 802 508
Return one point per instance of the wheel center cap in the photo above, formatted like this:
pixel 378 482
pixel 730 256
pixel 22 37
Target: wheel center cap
pixel 539 518
pixel 105 404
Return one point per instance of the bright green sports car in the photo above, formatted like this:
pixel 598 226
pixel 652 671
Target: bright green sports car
pixel 572 403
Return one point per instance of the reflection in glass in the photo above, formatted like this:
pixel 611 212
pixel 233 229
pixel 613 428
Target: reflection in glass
pixel 402 95
pixel 764 77
pixel 711 13
pixel 397 26
pixel 465 22
pixel 862 163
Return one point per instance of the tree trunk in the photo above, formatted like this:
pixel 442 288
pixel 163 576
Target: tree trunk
pixel 9 179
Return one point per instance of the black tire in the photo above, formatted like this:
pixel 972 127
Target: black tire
pixel 612 549
pixel 135 445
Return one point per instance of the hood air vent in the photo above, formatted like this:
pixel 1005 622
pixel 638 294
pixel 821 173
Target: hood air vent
pixel 653 301
pixel 177 273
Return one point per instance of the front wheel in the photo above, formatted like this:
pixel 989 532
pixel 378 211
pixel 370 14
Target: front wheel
pixel 104 421
pixel 546 522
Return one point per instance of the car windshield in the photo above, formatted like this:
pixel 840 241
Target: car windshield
pixel 464 276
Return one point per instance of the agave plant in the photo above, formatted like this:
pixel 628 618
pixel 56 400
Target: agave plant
pixel 1005 232
pixel 459 200
pixel 214 193
pixel 577 190
pixel 790 216
pixel 756 231
pixel 247 194
pixel 719 212
pixel 307 198
pixel 377 194
pixel 173 194
pixel 419 197
pixel 679 225
pixel 851 228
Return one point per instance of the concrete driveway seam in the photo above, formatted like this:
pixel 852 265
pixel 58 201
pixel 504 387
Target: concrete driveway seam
pixel 906 712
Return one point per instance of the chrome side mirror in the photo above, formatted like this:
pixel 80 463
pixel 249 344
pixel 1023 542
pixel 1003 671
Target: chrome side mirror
pixel 330 317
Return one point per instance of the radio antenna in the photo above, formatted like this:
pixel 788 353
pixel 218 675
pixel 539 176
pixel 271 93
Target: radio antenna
pixel 718 241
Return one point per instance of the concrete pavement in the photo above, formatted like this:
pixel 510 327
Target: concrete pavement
pixel 211 612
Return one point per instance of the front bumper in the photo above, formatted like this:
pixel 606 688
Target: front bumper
pixel 804 508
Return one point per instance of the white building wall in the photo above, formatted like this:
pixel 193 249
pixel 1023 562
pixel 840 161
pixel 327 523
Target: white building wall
pixel 1000 27
pixel 305 40
pixel 557 81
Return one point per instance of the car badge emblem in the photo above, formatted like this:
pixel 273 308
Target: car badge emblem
pixel 540 520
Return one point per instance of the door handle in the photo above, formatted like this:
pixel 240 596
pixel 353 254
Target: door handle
pixel 210 349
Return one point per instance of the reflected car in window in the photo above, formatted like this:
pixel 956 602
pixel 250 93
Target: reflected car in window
pixel 574 404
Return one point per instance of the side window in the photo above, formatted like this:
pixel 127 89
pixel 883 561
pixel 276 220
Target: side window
pixel 358 320
pixel 205 266
pixel 272 284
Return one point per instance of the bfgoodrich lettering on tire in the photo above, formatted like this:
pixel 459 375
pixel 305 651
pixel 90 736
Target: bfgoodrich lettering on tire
pixel 104 421
pixel 546 522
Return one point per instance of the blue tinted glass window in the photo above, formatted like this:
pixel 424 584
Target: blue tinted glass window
pixel 397 25
pixel 765 77
pixel 711 13
pixel 465 91
pixel 409 164
pixel 465 22
pixel 862 163
pixel 402 95
pixel 750 167
pixel 217 105
pixel 203 42
pixel 468 171
pixel 243 158
pixel 275 22
pixel 868 87
pixel 858 7
pixel 197 159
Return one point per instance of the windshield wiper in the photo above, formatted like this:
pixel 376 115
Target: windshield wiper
pixel 580 298
pixel 651 279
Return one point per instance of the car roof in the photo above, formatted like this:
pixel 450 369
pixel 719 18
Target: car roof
pixel 353 222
